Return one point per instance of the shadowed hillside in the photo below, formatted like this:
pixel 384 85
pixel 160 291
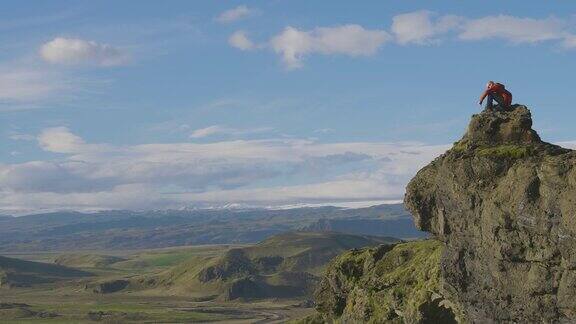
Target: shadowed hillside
pixel 21 273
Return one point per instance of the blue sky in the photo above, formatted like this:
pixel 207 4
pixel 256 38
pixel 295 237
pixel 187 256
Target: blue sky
pixel 147 104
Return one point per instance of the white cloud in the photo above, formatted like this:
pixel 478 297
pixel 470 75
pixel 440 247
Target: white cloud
pixel 235 14
pixel 21 84
pixel 59 140
pixel 62 140
pixel 352 40
pixel 514 29
pixel 419 27
pixel 222 130
pixel 102 176
pixel 78 51
pixel 240 41
pixel 425 27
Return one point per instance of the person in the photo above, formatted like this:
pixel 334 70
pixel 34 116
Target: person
pixel 496 92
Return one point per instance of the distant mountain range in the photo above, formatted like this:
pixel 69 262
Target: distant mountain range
pixel 61 231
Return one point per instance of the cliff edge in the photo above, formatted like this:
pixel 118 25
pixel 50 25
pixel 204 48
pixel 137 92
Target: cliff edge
pixel 503 202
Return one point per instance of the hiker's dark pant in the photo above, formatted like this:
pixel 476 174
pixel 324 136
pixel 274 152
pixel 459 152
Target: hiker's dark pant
pixel 494 97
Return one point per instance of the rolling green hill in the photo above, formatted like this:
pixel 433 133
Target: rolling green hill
pixel 283 266
pixel 21 273
pixel 87 260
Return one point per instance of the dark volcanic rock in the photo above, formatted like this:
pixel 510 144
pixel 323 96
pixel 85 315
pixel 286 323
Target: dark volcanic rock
pixel 504 204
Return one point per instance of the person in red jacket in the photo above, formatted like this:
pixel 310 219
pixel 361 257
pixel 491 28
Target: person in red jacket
pixel 496 92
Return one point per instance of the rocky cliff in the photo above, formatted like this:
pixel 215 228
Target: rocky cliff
pixel 504 204
pixel 501 205
pixel 387 284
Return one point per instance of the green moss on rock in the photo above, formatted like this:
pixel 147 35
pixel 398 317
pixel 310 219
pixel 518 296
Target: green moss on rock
pixel 387 284
pixel 505 151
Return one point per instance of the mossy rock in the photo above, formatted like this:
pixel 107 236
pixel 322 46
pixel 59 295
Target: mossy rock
pixel 504 204
pixel 505 151
pixel 387 284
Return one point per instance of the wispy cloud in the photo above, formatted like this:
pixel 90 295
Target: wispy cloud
pixel 223 130
pixel 235 14
pixel 426 27
pixel 24 82
pixel 28 82
pixel 20 85
pixel 78 51
pixel 21 137
pixel 240 40
pixel 218 173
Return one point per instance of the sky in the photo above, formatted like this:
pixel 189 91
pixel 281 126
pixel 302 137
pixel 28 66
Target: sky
pixel 158 105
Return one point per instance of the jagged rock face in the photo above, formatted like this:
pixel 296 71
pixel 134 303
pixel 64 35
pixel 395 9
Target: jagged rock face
pixel 504 204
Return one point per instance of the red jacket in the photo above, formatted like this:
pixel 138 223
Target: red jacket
pixel 498 88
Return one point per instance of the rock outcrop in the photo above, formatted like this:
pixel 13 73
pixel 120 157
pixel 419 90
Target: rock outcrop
pixel 501 206
pixel 503 202
pixel 387 284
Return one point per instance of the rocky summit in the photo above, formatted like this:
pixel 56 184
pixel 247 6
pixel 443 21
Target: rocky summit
pixel 503 202
pixel 501 207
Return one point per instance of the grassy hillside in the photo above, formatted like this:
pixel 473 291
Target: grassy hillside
pixel 21 273
pixel 87 260
pixel 273 279
pixel 283 266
